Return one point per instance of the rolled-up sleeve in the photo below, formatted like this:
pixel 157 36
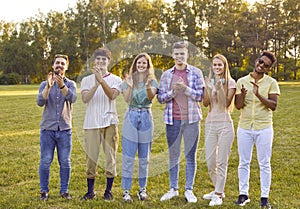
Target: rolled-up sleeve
pixel 195 89
pixel 40 101
pixel 71 96
pixel 165 94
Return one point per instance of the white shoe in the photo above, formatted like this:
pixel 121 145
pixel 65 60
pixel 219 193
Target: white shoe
pixel 216 200
pixel 172 193
pixel 126 196
pixel 210 195
pixel 189 196
pixel 142 195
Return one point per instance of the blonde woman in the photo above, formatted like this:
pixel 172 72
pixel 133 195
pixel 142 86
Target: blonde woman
pixel 219 131
pixel 139 88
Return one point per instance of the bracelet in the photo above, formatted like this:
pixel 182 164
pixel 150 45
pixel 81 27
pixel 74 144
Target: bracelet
pixel 63 87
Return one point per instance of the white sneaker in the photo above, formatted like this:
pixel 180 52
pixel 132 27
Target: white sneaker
pixel 210 195
pixel 216 200
pixel 142 195
pixel 126 196
pixel 172 193
pixel 189 196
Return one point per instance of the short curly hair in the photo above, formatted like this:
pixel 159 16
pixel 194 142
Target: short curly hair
pixel 270 55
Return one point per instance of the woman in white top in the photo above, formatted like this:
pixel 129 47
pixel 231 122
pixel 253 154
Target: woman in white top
pixel 219 131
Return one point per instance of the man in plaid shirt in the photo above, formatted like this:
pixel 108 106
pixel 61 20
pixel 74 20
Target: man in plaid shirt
pixel 181 89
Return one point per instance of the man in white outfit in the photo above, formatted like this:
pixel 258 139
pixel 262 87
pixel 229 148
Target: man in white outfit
pixel 256 97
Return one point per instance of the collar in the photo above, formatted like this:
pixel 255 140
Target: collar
pixel 106 75
pixel 251 77
pixel 187 68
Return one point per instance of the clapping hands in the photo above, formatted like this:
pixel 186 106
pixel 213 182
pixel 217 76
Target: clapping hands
pixel 179 85
pixel 148 82
pixel 129 81
pixel 98 74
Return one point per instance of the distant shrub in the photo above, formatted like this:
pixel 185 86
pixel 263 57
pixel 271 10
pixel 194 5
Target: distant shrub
pixel 9 79
pixel 79 77
pixel 237 72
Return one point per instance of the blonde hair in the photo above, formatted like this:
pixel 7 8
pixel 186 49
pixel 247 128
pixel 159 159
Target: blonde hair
pixel 133 72
pixel 225 76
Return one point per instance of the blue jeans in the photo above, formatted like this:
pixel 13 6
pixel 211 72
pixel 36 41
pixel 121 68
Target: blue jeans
pixel 62 140
pixel 137 135
pixel 190 133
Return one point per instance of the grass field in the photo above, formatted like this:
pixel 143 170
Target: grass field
pixel 19 151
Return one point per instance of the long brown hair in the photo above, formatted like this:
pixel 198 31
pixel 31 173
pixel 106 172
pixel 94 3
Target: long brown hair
pixel 226 74
pixel 133 72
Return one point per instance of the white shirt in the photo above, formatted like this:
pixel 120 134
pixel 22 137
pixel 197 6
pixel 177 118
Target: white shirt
pixel 101 112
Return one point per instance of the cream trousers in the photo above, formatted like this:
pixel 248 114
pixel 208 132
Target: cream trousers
pixel 219 137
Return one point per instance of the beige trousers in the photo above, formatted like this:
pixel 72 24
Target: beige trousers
pixel 219 137
pixel 109 139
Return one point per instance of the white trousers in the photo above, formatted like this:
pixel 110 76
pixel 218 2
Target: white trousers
pixel 263 140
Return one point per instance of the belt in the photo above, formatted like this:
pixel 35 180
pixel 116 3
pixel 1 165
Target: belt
pixel 139 109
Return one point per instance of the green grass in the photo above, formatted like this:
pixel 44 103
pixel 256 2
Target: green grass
pixel 19 151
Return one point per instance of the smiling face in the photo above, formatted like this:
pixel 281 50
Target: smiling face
pixel 180 56
pixel 60 65
pixel 262 65
pixel 102 62
pixel 142 65
pixel 218 67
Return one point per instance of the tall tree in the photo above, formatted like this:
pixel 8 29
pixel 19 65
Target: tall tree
pixel 223 31
pixel 291 24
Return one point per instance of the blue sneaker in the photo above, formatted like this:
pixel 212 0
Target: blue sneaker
pixel 108 195
pixel 88 196
pixel 242 200
pixel 264 203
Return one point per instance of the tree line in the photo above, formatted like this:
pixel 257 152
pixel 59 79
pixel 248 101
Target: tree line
pixel 234 28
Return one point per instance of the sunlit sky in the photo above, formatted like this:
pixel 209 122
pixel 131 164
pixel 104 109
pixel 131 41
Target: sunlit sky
pixel 21 10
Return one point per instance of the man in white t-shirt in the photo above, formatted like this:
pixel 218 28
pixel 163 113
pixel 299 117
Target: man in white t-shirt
pixel 99 92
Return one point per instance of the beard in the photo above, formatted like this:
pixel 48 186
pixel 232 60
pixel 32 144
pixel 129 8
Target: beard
pixel 58 70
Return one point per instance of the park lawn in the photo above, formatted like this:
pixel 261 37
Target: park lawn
pixel 19 151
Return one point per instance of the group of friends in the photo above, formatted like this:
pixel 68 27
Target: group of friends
pixel 181 88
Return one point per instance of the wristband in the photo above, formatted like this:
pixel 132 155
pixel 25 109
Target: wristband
pixel 63 87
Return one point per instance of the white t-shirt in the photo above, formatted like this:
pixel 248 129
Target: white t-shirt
pixel 101 112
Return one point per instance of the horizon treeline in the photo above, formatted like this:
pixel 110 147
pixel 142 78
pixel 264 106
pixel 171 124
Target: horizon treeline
pixel 234 28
